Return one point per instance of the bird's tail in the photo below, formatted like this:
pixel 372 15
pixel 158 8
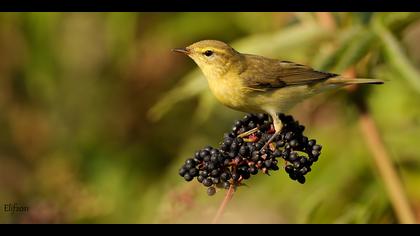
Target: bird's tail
pixel 347 81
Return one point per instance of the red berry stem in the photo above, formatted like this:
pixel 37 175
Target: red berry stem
pixel 226 199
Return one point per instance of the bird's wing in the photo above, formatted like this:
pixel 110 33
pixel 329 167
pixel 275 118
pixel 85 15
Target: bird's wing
pixel 270 74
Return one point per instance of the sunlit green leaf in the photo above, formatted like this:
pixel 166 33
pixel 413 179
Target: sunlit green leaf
pixel 396 57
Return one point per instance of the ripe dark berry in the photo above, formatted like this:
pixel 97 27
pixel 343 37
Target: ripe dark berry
pixel 235 129
pixel 182 171
pixel 238 123
pixel 203 173
pixel 301 128
pixel 285 154
pixel 267 163
pixel 243 151
pixel 193 172
pixel 228 135
pixel 288 136
pixel 211 166
pixel 255 158
pixel 224 147
pixel 294 143
pixel 190 161
pixel 304 140
pixel 277 153
pixel 253 170
pixel 189 166
pixel 293 157
pixel 288 118
pixel 228 141
pixel 200 178
pixel 315 153
pixel 225 176
pixel 313 159
pixel 301 179
pixel 317 147
pixel 215 172
pixel 247 118
pixel 303 171
pixel 289 169
pixel 204 153
pixel 243 169
pixel 293 175
pixel 239 141
pixel 235 176
pixel 261 116
pixel 226 185
pixel 211 191
pixel 197 156
pixel 213 158
pixel 311 142
pixel 234 147
pixel 207 182
pixel 280 143
pixel 245 175
pixel 251 147
pixel 188 177
pixel 215 180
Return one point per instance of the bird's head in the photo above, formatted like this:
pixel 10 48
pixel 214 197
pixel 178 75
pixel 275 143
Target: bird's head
pixel 215 58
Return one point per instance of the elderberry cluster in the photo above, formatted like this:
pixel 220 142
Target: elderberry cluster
pixel 245 151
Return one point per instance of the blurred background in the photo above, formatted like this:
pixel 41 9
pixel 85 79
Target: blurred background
pixel 97 115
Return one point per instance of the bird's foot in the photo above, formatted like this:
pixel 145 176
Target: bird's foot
pixel 247 133
pixel 274 136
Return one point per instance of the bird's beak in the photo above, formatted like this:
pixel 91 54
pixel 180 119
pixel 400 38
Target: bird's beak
pixel 181 50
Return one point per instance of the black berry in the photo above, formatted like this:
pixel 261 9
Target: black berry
pixel 211 191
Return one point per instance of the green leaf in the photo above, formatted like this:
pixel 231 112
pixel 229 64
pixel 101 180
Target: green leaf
pixel 345 39
pixel 190 86
pixel 396 21
pixel 356 50
pixel 396 57
pixel 283 41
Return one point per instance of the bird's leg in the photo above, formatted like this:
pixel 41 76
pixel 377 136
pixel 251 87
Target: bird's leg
pixel 249 132
pixel 277 127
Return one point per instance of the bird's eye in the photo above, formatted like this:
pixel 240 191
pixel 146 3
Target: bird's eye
pixel 208 53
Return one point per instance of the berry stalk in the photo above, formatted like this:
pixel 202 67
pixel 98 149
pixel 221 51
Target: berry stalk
pixel 228 197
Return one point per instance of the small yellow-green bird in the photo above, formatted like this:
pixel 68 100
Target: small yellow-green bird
pixel 256 84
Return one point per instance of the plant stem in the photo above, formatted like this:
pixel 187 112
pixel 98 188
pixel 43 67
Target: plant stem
pixel 386 169
pixel 228 196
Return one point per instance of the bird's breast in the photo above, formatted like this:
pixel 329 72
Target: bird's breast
pixel 229 91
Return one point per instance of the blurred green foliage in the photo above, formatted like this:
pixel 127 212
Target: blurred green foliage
pixel 97 115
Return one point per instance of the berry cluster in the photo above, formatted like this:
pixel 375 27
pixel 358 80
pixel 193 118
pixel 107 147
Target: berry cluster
pixel 244 152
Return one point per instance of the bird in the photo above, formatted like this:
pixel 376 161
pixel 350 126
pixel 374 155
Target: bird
pixel 257 84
